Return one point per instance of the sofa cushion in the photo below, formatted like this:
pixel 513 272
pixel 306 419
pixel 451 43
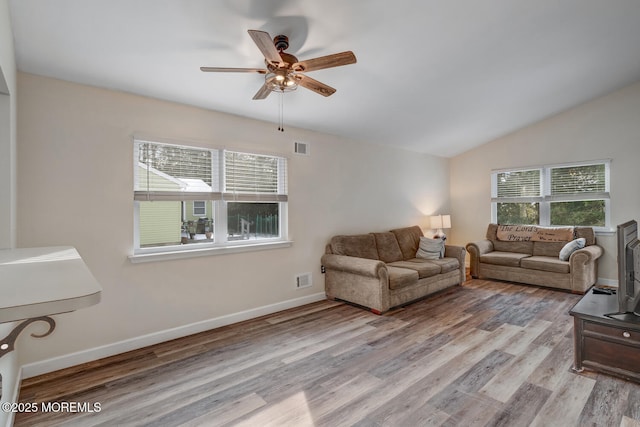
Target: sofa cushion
pixel 447 264
pixel 388 248
pixel 518 247
pixel 511 259
pixel 586 233
pixel 408 239
pixel 425 268
pixel 357 245
pixel 550 249
pixel 401 277
pixel 545 263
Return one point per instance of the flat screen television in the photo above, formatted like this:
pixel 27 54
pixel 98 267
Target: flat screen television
pixel 628 272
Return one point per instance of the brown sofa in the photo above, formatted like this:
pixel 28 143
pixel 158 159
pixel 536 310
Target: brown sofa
pixel 380 270
pixel 536 262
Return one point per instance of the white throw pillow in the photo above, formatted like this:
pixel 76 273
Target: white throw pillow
pixel 430 248
pixel 571 247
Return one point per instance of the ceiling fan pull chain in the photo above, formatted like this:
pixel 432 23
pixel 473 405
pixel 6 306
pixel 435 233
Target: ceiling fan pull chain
pixel 280 101
pixel 281 112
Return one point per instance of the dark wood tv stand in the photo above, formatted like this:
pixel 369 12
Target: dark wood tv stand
pixel 602 343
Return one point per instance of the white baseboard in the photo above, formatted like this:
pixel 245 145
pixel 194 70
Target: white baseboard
pixel 608 282
pixel 68 360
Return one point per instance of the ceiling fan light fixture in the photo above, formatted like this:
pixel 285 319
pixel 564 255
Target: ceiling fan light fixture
pixel 281 81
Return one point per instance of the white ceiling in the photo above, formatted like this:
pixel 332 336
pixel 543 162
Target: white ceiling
pixel 434 76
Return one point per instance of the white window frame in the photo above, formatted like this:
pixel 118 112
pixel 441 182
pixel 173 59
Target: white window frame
pixel 219 200
pixel 545 199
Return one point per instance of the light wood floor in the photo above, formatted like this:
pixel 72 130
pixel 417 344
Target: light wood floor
pixel 484 354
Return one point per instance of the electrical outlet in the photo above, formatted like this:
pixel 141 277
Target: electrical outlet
pixel 323 269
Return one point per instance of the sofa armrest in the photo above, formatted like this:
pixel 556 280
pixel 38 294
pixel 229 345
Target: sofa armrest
pixel 460 254
pixel 355 265
pixel 476 249
pixel 586 254
pixel 480 247
pixel 584 267
pixel 360 281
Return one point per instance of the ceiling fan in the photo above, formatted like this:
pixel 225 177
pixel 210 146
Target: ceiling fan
pixel 284 71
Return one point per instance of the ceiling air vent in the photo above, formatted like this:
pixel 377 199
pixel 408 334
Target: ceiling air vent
pixel 301 148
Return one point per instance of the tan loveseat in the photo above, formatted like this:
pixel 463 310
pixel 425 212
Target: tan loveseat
pixel 380 270
pixel 536 262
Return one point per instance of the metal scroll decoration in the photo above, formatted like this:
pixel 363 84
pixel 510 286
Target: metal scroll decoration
pixel 7 344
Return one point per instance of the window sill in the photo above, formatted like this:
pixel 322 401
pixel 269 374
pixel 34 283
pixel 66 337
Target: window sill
pixel 207 251
pixel 605 232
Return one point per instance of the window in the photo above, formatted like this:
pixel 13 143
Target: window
pixel 199 208
pixel 187 198
pixel 556 195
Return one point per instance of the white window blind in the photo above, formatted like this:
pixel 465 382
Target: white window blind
pixel 518 184
pixel 581 182
pixel 253 177
pixel 169 172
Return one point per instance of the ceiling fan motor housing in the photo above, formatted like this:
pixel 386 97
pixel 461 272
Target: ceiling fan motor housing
pixel 281 42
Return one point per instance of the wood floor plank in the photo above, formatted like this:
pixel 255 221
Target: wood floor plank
pixel 324 399
pixel 472 380
pixel 521 341
pixel 412 353
pixel 633 404
pixel 629 422
pixel 228 413
pixel 508 381
pixel 460 400
pixel 607 402
pixel 292 411
pixel 487 353
pixel 416 380
pixel 522 407
pixel 474 410
pixel 427 381
pixel 550 372
pixel 340 336
pixel 423 416
pixel 566 402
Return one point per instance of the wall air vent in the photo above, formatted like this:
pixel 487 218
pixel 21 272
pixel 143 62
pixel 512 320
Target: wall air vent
pixel 301 148
pixel 303 280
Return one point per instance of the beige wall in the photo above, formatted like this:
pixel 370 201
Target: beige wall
pixel 7 131
pixel 75 188
pixel 605 128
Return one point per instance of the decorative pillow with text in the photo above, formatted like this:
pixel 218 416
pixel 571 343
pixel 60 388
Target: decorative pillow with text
pixel 534 233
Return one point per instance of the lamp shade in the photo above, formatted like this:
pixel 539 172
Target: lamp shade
pixel 440 221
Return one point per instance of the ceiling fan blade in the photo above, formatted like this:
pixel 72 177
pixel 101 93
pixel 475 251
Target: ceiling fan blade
pixel 263 92
pixel 265 43
pixel 314 85
pixel 233 70
pixel 335 60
